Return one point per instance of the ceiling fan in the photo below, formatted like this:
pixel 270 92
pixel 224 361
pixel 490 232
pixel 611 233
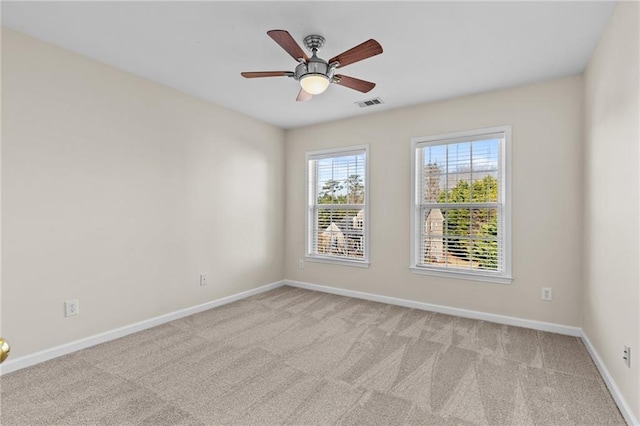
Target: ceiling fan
pixel 315 74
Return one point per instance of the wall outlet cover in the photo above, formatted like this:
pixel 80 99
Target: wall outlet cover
pixel 626 355
pixel 204 280
pixel 71 308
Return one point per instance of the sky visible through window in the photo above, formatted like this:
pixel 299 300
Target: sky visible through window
pixel 485 156
pixel 339 169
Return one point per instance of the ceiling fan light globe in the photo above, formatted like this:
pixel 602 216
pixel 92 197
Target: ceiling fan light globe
pixel 314 84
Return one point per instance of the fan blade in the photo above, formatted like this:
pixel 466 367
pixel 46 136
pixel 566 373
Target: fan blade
pixel 362 51
pixel 284 39
pixel 303 96
pixel 265 74
pixel 353 83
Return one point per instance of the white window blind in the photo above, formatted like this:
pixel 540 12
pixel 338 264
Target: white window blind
pixel 460 210
pixel 337 221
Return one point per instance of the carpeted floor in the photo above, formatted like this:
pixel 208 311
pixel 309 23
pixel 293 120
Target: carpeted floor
pixel 293 356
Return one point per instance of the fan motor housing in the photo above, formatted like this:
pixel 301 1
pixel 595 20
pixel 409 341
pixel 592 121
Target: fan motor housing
pixel 314 66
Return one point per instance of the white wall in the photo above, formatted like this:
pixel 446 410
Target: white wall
pixel 547 127
pixel 118 192
pixel 611 291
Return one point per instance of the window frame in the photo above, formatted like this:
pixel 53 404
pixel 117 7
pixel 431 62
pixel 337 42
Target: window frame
pixel 329 153
pixel 503 277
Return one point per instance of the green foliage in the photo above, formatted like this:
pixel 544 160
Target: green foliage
pixel 327 194
pixel 481 191
pixel 485 190
pixel 486 251
pixel 330 192
pixel 481 224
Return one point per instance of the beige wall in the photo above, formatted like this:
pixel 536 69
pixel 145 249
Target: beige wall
pixel 612 257
pixel 119 192
pixel 546 120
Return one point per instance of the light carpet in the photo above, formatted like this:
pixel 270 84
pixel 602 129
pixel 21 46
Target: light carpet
pixel 299 357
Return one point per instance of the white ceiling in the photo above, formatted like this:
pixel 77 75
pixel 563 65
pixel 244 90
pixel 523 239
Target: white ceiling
pixel 432 50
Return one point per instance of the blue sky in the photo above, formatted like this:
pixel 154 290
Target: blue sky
pixel 339 168
pixel 485 158
pixel 485 155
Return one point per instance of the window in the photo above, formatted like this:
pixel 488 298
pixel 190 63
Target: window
pixel 337 217
pixel 460 205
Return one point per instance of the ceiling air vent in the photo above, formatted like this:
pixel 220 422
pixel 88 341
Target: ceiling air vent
pixel 370 102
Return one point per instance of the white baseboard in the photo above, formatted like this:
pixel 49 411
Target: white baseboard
pixel 611 384
pixel 28 360
pixel 484 316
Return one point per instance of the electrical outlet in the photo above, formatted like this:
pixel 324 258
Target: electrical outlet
pixel 71 307
pixel 546 293
pixel 626 355
pixel 203 279
pixel 300 264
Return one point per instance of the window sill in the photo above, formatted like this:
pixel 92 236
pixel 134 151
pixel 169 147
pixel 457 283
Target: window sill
pixel 356 263
pixel 499 279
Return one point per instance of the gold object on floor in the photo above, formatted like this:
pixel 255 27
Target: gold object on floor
pixel 4 350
